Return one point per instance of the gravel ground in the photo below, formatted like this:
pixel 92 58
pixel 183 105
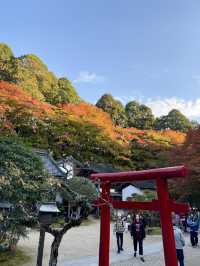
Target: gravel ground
pixel 79 247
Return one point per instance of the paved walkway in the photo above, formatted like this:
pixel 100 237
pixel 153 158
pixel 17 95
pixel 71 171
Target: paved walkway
pixel 153 257
pixel 126 255
pixel 192 258
pixel 79 247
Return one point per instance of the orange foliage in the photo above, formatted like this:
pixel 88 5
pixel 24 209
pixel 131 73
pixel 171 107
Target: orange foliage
pixel 94 115
pixel 127 134
pixel 175 137
pixel 189 155
pixel 12 93
pixel 13 97
pixel 85 112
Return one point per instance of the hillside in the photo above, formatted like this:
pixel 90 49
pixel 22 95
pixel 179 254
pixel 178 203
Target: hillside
pixel 33 76
pixel 81 130
pixel 47 112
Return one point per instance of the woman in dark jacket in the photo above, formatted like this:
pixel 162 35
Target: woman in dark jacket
pixel 138 234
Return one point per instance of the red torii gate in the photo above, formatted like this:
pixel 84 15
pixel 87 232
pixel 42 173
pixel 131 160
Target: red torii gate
pixel 164 205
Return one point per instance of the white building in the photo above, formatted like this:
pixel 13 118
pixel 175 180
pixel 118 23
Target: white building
pixel 128 192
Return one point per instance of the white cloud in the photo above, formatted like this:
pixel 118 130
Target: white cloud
pixel 162 106
pixel 136 95
pixel 88 77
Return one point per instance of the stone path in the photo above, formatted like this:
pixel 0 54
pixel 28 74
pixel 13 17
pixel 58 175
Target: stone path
pixel 192 258
pixel 126 255
pixel 80 248
pixel 153 257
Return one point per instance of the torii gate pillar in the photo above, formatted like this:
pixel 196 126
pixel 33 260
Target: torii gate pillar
pixel 104 246
pixel 166 223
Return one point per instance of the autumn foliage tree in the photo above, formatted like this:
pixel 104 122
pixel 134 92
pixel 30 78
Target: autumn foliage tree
pixel 114 108
pixel 46 112
pixel 188 154
pixel 148 155
pixel 82 130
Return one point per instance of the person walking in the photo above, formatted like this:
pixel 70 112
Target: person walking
pixel 180 243
pixel 184 222
pixel 119 229
pixel 177 219
pixel 193 221
pixel 138 234
pixel 144 221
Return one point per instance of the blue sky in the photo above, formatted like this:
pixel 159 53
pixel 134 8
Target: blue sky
pixel 148 50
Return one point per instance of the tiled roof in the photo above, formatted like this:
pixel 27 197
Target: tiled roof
pixel 139 184
pixel 70 159
pixel 5 205
pixel 49 163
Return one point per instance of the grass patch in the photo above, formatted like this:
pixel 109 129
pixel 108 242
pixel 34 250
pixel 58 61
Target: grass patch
pixel 13 258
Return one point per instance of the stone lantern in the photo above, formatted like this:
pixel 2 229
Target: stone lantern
pixel 47 214
pixel 5 208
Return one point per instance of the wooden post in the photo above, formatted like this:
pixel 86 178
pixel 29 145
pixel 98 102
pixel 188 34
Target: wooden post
pixel 166 223
pixel 105 227
pixel 41 246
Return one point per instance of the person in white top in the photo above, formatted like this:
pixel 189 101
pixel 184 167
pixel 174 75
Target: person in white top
pixel 119 230
pixel 180 243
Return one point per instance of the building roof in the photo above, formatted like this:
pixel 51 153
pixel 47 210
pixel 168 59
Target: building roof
pixel 103 168
pixel 49 163
pixel 139 184
pixel 70 159
pixel 49 207
pixel 90 168
pixel 5 205
pixel 86 169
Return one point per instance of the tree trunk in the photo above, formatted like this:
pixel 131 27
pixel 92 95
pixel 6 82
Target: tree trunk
pixel 58 235
pixel 68 215
pixel 54 249
pixel 13 243
pixel 41 246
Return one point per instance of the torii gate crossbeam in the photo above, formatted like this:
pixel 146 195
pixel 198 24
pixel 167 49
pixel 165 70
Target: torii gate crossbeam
pixel 164 205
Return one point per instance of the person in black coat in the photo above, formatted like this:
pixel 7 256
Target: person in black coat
pixel 138 235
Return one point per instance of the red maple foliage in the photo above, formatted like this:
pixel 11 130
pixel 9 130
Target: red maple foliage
pixel 11 95
pixel 189 155
pixel 15 99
